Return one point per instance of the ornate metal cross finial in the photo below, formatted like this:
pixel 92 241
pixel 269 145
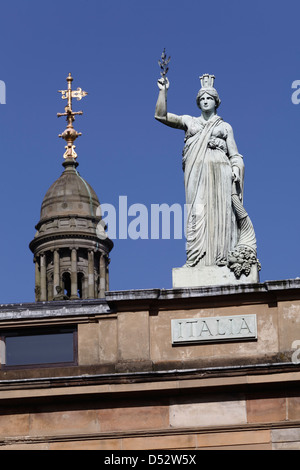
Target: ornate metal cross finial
pixel 70 134
pixel 163 63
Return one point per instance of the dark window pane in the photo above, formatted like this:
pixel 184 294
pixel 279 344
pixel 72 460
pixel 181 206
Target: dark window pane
pixel 39 348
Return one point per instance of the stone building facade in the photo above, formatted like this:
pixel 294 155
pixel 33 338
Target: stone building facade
pixel 129 386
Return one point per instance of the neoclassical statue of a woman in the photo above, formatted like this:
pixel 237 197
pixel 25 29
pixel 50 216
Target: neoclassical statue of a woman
pixel 219 231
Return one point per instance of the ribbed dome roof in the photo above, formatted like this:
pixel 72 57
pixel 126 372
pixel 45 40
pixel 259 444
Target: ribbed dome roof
pixel 70 195
pixel 68 213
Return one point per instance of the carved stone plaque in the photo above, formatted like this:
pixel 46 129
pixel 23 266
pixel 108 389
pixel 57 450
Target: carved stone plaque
pixel 216 329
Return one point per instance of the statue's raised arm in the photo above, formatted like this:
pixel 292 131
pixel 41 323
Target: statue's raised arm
pixel 161 113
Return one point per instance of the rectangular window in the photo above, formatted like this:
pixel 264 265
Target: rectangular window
pixel 39 347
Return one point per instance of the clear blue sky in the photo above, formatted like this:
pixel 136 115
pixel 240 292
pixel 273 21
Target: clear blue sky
pixel 112 48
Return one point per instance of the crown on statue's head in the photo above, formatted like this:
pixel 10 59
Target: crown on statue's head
pixel 207 81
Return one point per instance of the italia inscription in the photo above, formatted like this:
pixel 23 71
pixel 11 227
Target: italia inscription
pixel 216 329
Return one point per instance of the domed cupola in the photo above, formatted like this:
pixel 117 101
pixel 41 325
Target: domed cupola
pixel 70 247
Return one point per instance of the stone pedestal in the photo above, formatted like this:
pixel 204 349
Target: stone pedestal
pixel 211 276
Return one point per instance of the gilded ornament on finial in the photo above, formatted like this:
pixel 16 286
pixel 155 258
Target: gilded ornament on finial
pixel 70 134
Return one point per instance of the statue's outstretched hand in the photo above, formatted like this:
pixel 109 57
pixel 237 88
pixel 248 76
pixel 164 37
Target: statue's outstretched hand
pixel 163 83
pixel 237 180
pixel 236 174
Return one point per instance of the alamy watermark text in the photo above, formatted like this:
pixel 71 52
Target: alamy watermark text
pixel 2 92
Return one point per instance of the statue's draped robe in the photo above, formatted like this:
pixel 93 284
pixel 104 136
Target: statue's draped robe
pixel 212 229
